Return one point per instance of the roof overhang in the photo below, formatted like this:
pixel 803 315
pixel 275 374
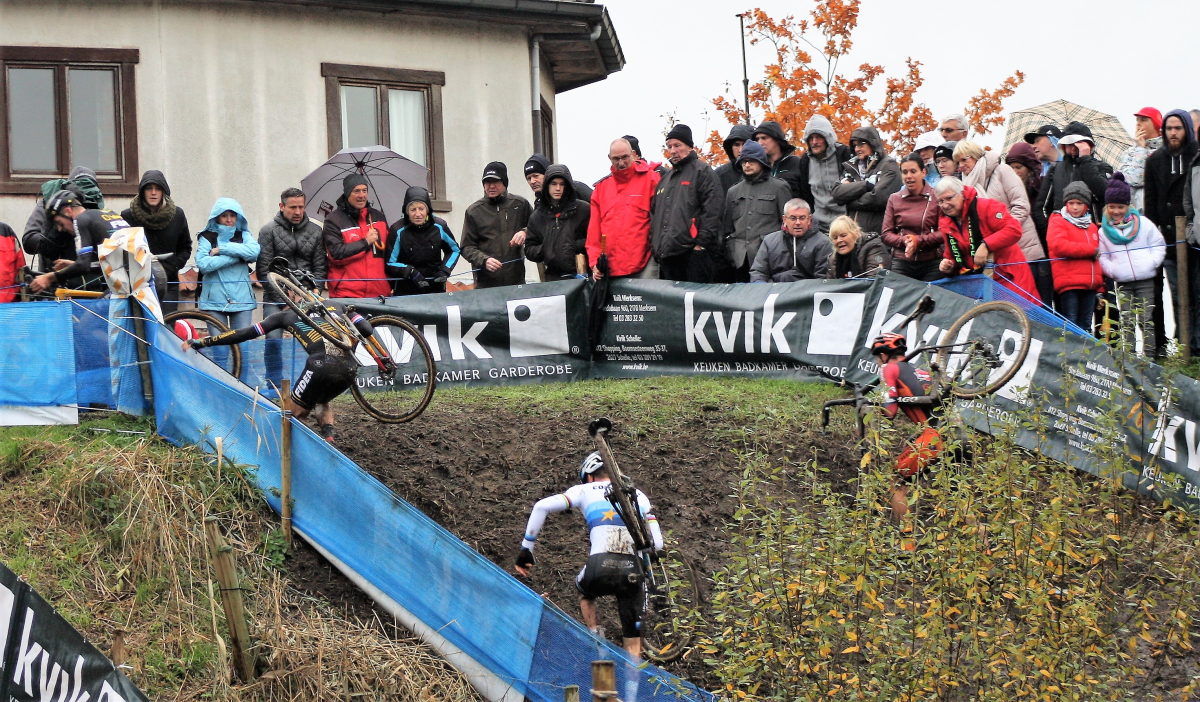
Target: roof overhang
pixel 575 58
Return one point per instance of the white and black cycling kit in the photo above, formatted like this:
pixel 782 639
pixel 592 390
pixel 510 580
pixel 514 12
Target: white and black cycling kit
pixel 612 567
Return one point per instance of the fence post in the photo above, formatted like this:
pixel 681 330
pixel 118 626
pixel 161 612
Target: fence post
pixel 231 599
pixel 1183 305
pixel 285 461
pixel 604 681
pixel 571 693
pixel 143 350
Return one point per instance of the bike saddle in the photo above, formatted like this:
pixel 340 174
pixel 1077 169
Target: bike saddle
pixel 279 264
pixel 598 425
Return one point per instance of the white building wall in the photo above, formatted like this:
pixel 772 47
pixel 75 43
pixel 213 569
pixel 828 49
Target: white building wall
pixel 231 101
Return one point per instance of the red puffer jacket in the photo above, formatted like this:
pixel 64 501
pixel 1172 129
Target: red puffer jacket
pixel 621 215
pixel 1073 255
pixel 11 263
pixel 1001 232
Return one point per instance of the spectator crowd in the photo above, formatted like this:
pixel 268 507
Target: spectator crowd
pixel 1049 220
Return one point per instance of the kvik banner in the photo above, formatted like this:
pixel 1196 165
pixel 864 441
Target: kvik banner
pixel 816 330
pixel 45 658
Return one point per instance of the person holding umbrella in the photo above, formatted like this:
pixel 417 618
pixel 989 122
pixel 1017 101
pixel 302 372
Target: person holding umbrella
pixel 355 236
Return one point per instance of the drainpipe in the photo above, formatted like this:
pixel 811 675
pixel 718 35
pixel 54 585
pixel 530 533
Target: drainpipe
pixel 535 71
pixel 535 75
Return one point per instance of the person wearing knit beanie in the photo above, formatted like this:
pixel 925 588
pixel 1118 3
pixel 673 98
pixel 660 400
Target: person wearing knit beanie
pixel 683 133
pixel 1118 191
pixel 352 181
pixel 1077 190
pixel 1132 250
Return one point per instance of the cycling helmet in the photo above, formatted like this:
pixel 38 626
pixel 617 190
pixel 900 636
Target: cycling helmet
pixel 889 344
pixel 591 464
pixel 60 201
pixel 186 330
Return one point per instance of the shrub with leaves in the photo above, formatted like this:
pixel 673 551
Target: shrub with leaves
pixel 1025 580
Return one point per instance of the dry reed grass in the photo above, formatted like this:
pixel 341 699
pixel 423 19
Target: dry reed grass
pixel 109 528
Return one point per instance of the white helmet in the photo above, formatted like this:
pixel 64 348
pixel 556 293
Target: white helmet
pixel 591 464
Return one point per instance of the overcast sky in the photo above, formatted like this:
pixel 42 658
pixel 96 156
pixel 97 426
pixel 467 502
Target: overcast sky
pixel 681 53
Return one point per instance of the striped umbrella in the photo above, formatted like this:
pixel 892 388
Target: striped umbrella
pixel 1111 138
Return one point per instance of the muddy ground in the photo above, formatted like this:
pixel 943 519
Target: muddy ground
pixel 478 469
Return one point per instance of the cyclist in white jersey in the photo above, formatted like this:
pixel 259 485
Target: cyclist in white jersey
pixel 612 567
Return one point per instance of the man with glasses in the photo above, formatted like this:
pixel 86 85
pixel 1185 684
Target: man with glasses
pixel 954 128
pixel 797 252
pixel 619 227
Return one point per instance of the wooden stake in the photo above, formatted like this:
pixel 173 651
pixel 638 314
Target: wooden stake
pixel 285 462
pixel 143 349
pixel 604 681
pixel 231 599
pixel 581 264
pixel 571 693
pixel 1183 301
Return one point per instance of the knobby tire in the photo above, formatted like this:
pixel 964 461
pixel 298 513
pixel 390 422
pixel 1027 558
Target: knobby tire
pixel 235 352
pixel 407 414
pixel 944 354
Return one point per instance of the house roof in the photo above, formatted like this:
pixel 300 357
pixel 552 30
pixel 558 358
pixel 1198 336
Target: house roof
pixel 566 25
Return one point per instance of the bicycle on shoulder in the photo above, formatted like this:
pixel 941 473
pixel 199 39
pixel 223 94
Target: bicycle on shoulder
pixel 627 559
pixel 384 361
pixel 980 353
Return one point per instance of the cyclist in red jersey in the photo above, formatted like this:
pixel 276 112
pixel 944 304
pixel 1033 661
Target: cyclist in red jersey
pixel 908 389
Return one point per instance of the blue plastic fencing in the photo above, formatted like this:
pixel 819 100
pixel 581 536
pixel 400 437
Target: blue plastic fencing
pixel 36 374
pixel 496 620
pixel 981 287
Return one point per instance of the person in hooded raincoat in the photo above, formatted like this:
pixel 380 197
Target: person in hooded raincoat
pixel 558 227
pixel 224 251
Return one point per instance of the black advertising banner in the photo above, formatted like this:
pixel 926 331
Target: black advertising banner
pixel 805 330
pixel 817 329
pixel 498 336
pixel 45 658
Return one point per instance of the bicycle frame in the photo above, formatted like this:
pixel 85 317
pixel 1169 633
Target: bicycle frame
pixel 636 525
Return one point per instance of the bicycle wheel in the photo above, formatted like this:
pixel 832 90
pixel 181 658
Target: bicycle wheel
pixel 203 325
pixel 666 636
pixel 336 330
pixel 403 394
pixel 984 349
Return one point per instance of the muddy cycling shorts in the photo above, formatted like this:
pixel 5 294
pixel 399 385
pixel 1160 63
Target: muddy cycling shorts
pixel 324 377
pixel 616 574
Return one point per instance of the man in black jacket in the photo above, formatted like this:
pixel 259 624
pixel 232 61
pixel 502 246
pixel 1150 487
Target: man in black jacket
pixel 557 230
pixel 1078 162
pixel 535 175
pixel 295 237
pixel 166 229
pixel 728 175
pixel 685 217
pixel 785 164
pixel 1166 190
pixel 494 231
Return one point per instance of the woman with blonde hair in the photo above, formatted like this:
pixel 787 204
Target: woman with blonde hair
pixel 854 252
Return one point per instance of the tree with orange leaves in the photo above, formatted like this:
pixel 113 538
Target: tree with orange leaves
pixel 806 78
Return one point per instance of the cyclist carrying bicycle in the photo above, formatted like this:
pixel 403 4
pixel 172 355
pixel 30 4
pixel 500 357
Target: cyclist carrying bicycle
pixel 612 567
pixel 65 211
pixel 908 389
pixel 327 373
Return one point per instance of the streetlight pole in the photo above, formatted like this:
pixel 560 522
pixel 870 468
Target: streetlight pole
pixel 745 75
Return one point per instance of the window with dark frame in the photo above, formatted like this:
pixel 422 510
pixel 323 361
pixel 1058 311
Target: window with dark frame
pixel 61 108
pixel 394 107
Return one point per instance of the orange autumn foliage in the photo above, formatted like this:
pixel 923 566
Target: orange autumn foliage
pixel 806 78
